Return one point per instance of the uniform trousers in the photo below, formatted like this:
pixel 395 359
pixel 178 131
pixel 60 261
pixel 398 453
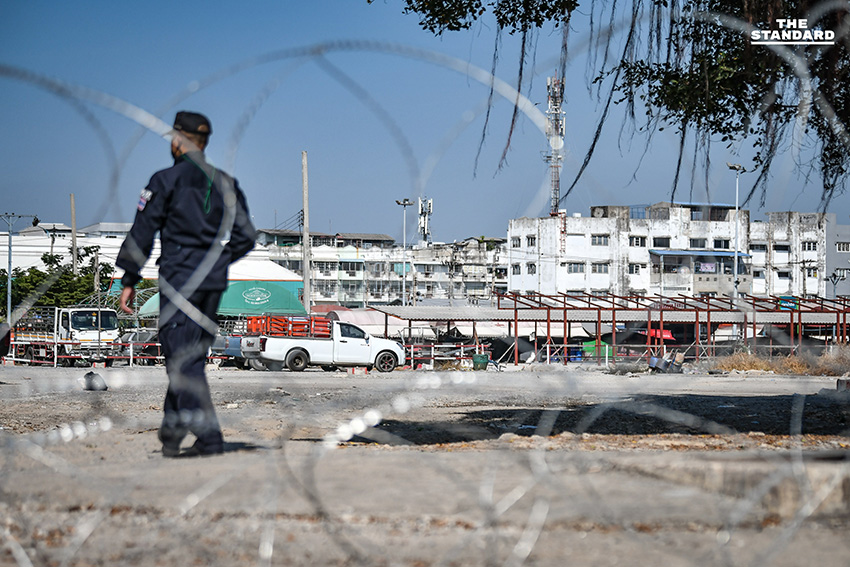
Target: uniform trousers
pixel 188 405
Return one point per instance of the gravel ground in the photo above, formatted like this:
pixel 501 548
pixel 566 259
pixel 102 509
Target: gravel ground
pixel 461 468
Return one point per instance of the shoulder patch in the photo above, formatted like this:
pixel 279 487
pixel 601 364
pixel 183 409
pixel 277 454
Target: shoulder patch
pixel 144 198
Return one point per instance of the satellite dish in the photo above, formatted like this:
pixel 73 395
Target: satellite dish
pixel 556 142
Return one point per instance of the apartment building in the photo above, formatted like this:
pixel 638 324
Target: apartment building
pixel 358 270
pixel 664 249
pixel 800 254
pixel 679 248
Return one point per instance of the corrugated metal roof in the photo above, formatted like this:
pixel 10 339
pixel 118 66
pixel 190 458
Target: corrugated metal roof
pixel 462 313
pixel 556 316
pixel 478 313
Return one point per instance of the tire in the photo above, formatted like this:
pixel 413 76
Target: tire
pixel 256 364
pixel 274 366
pixel 297 360
pixel 385 362
pixel 29 357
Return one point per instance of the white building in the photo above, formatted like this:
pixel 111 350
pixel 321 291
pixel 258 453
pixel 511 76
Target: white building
pixel 358 270
pixel 664 249
pixel 797 254
pixel 672 248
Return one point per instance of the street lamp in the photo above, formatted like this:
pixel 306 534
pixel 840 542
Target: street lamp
pixel 404 204
pixel 738 171
pixel 10 219
pixel 835 277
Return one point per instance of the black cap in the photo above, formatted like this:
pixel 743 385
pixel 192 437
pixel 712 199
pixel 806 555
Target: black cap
pixel 193 123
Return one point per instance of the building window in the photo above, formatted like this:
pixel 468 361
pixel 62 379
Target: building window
pixel 637 212
pixel 516 242
pixel 599 268
pixel 531 268
pixel 325 288
pixel 721 244
pixel 515 269
pixel 696 214
pixel 783 275
pixel 575 268
pixel 660 214
pixel 531 240
pixel 781 247
pixel 698 242
pixel 810 246
pixel 718 214
pixel 842 246
pixel 661 241
pixel 637 241
pixel 599 240
pixel 759 247
pixel 376 268
pixel 758 274
pixel 351 267
pixel 322 240
pixel 811 272
pixel 634 269
pixel 326 268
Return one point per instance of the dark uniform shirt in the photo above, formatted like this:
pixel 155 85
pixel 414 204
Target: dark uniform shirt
pixel 186 205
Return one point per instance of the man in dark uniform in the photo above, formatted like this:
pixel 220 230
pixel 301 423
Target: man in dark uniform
pixel 203 224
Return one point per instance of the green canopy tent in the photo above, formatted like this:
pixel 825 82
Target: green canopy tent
pixel 247 298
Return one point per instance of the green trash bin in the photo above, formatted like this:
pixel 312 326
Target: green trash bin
pixel 479 361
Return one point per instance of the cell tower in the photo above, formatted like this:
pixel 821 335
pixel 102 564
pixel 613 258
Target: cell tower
pixel 555 135
pixel 426 207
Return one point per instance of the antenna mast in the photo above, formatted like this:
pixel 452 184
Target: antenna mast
pixel 555 135
pixel 426 207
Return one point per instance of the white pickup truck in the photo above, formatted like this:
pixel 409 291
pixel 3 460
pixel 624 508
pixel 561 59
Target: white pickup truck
pixel 348 345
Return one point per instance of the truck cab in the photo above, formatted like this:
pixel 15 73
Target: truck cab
pixel 65 335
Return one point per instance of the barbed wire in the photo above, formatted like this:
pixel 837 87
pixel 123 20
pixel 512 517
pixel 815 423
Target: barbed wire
pixel 520 494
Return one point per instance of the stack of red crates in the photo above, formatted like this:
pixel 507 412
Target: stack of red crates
pixel 288 326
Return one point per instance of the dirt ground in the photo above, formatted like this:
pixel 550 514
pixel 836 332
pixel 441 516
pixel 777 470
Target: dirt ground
pixel 415 468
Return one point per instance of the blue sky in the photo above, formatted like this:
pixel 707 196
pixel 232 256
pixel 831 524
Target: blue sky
pixel 354 109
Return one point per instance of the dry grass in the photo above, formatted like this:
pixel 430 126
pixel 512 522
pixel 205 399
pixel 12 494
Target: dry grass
pixel 834 363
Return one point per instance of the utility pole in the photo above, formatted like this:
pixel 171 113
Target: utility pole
pixel 305 247
pixel 738 171
pixel 404 204
pixel 74 235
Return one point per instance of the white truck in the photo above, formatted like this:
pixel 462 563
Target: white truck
pixel 65 336
pixel 329 345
